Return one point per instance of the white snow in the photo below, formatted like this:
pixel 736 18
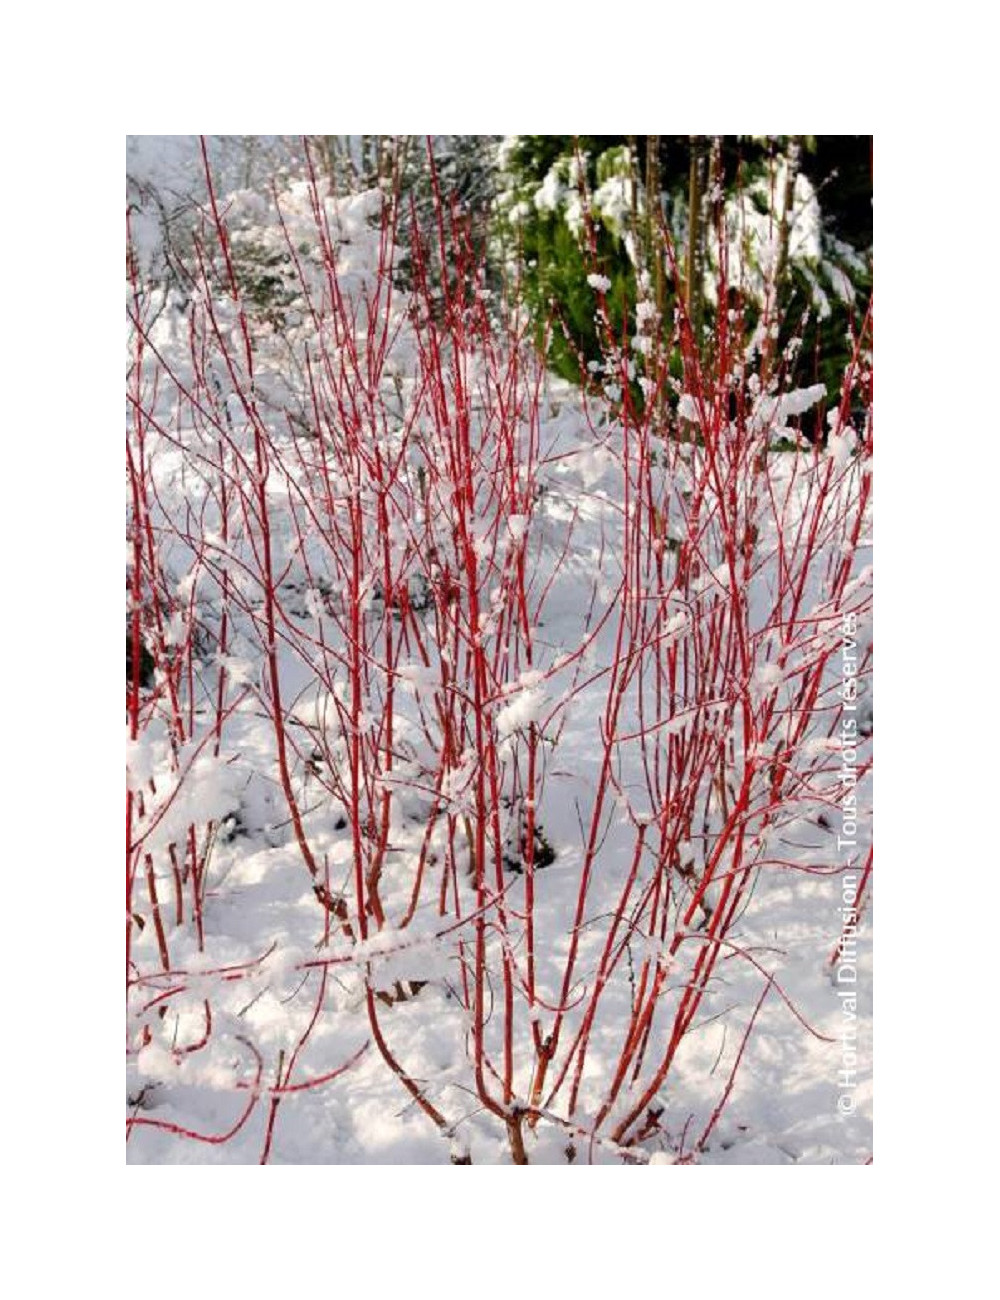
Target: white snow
pixel 280 965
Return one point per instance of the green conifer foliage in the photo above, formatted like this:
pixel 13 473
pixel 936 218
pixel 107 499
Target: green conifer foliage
pixel 544 224
pixel 571 208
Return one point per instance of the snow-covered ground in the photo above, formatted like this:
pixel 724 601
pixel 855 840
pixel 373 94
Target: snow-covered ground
pixel 266 1032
